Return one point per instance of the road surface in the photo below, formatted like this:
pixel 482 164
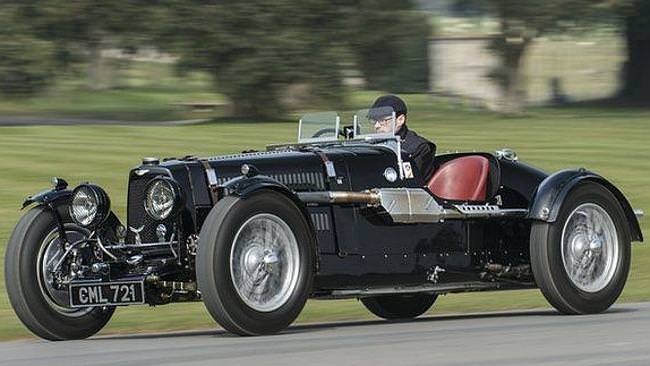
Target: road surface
pixel 619 337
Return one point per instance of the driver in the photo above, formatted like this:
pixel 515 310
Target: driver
pixel 420 151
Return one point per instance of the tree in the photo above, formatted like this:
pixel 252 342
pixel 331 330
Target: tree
pixel 391 44
pixel 636 71
pixel 254 49
pixel 521 21
pixel 84 28
pixel 26 66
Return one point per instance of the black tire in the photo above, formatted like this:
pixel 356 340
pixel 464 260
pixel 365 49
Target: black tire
pixel 213 265
pixel 24 285
pixel 546 255
pixel 399 306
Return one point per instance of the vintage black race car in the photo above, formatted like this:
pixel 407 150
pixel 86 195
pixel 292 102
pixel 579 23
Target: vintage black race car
pixel 340 214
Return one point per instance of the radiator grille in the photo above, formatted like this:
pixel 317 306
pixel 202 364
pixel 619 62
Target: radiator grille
pixel 137 217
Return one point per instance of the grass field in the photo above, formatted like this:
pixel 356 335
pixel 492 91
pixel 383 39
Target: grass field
pixel 611 142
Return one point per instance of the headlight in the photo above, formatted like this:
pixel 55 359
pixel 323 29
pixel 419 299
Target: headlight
pixel 90 205
pixel 162 197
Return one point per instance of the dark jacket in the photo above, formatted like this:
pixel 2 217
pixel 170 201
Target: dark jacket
pixel 419 152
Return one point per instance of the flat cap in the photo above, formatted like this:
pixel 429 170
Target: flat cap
pixel 393 101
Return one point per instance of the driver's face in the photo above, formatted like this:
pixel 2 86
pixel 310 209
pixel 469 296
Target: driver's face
pixel 384 125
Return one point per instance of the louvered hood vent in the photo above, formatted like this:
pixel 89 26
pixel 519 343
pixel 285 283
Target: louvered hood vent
pixel 321 221
pixel 298 181
pixel 250 155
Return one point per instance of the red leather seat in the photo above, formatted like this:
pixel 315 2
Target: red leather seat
pixel 461 179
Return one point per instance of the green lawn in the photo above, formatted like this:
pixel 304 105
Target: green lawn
pixel 611 142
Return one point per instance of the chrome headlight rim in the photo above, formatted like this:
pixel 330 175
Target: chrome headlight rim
pixel 176 195
pixel 102 205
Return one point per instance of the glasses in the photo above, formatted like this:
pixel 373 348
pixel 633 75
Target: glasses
pixel 384 121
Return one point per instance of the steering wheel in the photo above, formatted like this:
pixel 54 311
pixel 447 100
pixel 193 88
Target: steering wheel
pixel 323 131
pixel 346 132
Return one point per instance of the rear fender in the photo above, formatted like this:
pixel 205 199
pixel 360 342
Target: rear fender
pixel 550 195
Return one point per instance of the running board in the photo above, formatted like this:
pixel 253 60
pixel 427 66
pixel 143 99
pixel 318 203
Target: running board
pixel 428 288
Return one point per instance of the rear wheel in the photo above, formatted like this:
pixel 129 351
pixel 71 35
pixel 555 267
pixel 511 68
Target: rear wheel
pixel 255 263
pixel 35 256
pixel 581 261
pixel 399 306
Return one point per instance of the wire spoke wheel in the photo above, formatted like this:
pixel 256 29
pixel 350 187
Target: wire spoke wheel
pixel 581 260
pixel 38 268
pixel 590 247
pixel 255 262
pixel 54 265
pixel 264 262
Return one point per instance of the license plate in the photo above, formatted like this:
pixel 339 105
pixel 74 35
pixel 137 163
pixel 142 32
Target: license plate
pixel 108 293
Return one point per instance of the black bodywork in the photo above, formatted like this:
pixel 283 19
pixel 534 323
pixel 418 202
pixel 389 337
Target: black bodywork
pixel 359 249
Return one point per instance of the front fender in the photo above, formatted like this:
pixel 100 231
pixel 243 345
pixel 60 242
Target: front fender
pixel 245 186
pixel 46 197
pixel 550 195
pixel 59 192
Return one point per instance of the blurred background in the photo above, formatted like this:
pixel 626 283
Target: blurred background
pixel 88 87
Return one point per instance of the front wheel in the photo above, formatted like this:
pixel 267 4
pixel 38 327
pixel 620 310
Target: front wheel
pixel 36 265
pixel 581 261
pixel 399 306
pixel 255 263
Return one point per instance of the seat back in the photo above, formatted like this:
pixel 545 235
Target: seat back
pixel 461 179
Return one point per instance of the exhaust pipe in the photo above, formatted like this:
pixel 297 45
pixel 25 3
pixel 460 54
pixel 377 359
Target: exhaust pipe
pixel 340 197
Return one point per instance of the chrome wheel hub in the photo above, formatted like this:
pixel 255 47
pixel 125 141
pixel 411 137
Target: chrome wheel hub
pixel 264 262
pixel 256 257
pixel 590 247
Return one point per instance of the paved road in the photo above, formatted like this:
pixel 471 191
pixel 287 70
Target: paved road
pixel 618 337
